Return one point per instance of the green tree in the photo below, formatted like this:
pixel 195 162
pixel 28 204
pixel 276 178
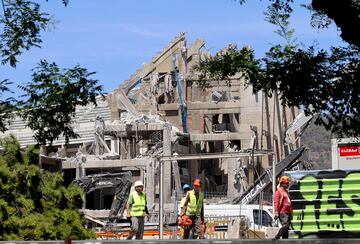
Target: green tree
pixel 50 99
pixel 21 22
pixel 7 106
pixel 322 82
pixel 34 205
pixel 344 13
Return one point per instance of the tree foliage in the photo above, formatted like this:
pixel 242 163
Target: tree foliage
pixel 34 205
pixel 54 93
pixel 7 106
pixel 322 82
pixel 22 22
pixel 228 63
pixel 278 14
pixel 52 97
pixel 344 13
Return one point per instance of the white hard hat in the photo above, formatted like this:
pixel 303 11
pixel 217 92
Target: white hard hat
pixel 138 183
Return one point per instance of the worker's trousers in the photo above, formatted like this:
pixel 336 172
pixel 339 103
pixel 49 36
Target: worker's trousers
pixel 195 229
pixel 285 225
pixel 137 228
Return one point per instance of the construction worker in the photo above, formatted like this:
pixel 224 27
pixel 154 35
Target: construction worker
pixel 283 208
pixel 186 188
pixel 194 209
pixel 136 209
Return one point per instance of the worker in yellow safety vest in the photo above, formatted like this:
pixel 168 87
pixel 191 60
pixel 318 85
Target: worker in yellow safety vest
pixel 136 209
pixel 194 208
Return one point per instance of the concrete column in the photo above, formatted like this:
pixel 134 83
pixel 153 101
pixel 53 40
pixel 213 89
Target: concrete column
pixel 167 164
pixel 78 171
pixel 251 171
pixel 165 175
pixel 176 173
pixel 97 145
pixel 268 130
pixel 133 148
pixel 233 190
pixel 280 129
pixel 115 145
pixel 150 183
pixel 42 152
pixel 128 148
pixel 122 148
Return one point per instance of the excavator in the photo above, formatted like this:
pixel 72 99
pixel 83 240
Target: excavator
pixel 116 227
pixel 121 182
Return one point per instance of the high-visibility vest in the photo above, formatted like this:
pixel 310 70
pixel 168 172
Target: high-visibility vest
pixel 182 202
pixel 138 206
pixel 193 207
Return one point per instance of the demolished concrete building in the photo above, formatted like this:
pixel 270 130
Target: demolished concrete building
pixel 164 103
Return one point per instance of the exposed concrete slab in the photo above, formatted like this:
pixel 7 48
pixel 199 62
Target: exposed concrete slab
pixel 202 105
pixel 107 163
pixel 216 137
pixel 222 111
pixel 206 156
pixel 133 127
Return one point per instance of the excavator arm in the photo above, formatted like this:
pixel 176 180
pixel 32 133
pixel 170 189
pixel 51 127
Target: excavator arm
pixel 120 181
pixel 302 120
pixel 266 178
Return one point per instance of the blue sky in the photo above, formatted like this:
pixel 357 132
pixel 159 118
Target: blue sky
pixel 115 37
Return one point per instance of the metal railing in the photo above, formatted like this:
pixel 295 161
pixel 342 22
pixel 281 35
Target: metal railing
pixel 213 194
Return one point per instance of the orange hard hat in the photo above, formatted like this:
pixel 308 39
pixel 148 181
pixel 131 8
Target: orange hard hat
pixel 197 182
pixel 284 179
pixel 184 221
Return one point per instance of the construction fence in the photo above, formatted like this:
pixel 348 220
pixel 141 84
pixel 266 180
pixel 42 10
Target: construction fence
pixel 216 229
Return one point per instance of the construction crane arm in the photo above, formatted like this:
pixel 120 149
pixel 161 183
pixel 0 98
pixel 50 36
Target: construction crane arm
pixel 180 91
